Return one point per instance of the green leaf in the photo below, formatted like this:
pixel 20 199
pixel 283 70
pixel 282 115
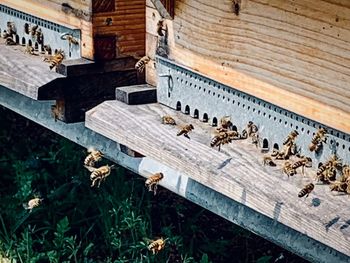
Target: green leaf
pixel 204 259
pixel 264 259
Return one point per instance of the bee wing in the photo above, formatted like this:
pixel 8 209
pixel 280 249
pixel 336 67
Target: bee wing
pixel 91 169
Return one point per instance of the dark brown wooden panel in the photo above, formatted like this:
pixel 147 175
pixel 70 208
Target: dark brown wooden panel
pixel 105 47
pixel 101 6
pixel 169 6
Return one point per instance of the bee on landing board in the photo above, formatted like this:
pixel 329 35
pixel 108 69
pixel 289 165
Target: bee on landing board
pixel 185 130
pixel 11 28
pixel 327 171
pixel 93 157
pixel 340 187
pixel 306 190
pixel 303 162
pixel 32 203
pixel 99 174
pixel 318 140
pixel 225 123
pixel 55 60
pixel 224 137
pixel 267 160
pixel 10 42
pixel 152 182
pixel 288 170
pixel 157 245
pixel 140 65
pixel 168 120
pixel 30 50
pixel 249 131
pixel 33 30
pixel 345 175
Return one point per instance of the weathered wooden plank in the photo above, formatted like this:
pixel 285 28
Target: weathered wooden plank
pixel 294 54
pixel 23 73
pixel 236 171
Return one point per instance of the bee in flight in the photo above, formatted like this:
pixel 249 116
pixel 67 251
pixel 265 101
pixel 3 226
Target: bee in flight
pixel 152 182
pixel 306 190
pixel 267 160
pixel 185 130
pixel 318 140
pixel 157 245
pixel 69 37
pixel 99 174
pixel 32 203
pixel 93 157
pixel 168 120
pixel 140 65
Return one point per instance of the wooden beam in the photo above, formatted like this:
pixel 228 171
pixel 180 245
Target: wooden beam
pixel 236 172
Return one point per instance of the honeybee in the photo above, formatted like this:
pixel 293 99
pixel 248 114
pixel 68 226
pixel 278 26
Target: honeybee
pixel 256 140
pixel 223 138
pixel 33 30
pixel 318 140
pixel 225 123
pixel 93 157
pixel 5 34
pixel 11 28
pixel 55 60
pixel 26 28
pixel 47 49
pixel 185 130
pixel 288 170
pixel 345 173
pixel 339 186
pixel 291 137
pixel 306 190
pixel 30 50
pixel 99 174
pixel 303 162
pixel 152 182
pixel 327 171
pixel 275 152
pixel 249 130
pixel 160 27
pixel 70 39
pixel 168 120
pixel 32 203
pixel 10 42
pixel 157 245
pixel 140 65
pixel 39 36
pixel 236 6
pixel 267 160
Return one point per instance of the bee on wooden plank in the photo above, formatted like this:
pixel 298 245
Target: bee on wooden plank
pixel 224 138
pixel 93 157
pixel 288 170
pixel 33 29
pixel 185 130
pixel 30 50
pixel 327 171
pixel 267 160
pixel 10 42
pixel 47 49
pixel 157 245
pixel 318 140
pixel 99 174
pixel 26 28
pixel 306 190
pixel 152 182
pixel 55 60
pixel 39 36
pixel 345 176
pixel 32 203
pixel 249 130
pixel 303 162
pixel 11 28
pixel 225 123
pixel 340 187
pixel 168 120
pixel 140 65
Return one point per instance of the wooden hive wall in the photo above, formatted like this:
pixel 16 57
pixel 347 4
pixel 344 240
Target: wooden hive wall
pixel 295 54
pixel 127 25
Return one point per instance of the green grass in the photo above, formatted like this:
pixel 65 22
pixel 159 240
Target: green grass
pixel 113 223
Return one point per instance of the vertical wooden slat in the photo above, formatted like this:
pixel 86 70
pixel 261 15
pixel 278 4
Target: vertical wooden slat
pixel 169 6
pixel 101 6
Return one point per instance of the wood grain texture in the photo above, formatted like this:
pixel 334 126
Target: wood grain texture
pixel 236 171
pixel 23 73
pixel 295 54
pixel 127 23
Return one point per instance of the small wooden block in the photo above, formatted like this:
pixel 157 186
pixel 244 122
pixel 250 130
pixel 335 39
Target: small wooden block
pixel 137 94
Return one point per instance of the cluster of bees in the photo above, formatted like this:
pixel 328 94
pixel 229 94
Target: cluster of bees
pixel 36 34
pixel 290 153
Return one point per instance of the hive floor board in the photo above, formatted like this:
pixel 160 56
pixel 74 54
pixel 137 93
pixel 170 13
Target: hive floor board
pixel 236 171
pixel 22 72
